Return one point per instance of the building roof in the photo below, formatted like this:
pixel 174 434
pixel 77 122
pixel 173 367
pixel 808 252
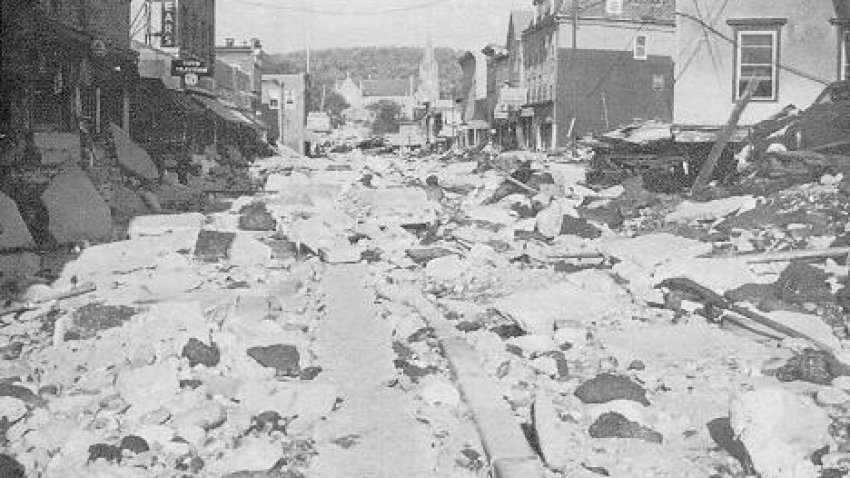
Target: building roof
pixel 521 19
pixel 386 88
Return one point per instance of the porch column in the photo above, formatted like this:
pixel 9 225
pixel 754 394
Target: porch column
pixel 554 135
pixel 125 119
pixel 97 111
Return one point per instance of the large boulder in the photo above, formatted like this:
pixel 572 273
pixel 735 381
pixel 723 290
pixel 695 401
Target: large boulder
pixel 780 430
pixel 132 156
pixel 539 311
pixel 13 230
pixel 76 210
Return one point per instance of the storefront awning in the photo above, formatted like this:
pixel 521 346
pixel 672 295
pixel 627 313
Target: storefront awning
pixel 476 124
pixel 221 111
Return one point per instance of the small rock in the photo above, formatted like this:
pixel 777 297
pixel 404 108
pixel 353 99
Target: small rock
pixel 836 460
pixel 21 393
pixel 135 444
pixel 285 359
pixel 11 468
pixel 831 397
pixel 310 373
pixel 190 384
pixel 267 420
pixel 813 366
pixel 255 217
pixel 200 353
pixel 12 409
pixel 207 417
pixel 190 464
pixel 607 387
pixel 721 432
pixel 615 425
pixel 110 453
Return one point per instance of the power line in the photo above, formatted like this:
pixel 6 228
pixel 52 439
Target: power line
pixel 315 11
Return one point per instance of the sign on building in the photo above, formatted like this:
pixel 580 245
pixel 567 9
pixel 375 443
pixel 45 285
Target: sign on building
pixel 186 67
pixel 289 100
pixel 168 38
pixel 512 99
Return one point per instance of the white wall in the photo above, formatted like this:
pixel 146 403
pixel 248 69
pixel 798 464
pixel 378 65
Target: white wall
pixel 705 61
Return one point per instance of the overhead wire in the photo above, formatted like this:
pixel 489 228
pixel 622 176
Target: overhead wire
pixel 733 42
pixel 316 11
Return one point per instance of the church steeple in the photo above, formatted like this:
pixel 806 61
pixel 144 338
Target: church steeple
pixel 429 75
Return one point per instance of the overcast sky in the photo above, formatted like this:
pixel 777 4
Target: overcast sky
pixel 284 25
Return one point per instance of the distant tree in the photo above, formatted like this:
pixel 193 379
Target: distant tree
pixel 335 104
pixel 387 113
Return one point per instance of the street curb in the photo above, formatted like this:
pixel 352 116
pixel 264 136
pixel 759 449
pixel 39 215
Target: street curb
pixel 509 452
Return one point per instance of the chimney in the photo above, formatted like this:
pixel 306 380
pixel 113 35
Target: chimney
pixel 229 42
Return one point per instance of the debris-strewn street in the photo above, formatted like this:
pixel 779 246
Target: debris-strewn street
pixel 425 239
pixel 373 319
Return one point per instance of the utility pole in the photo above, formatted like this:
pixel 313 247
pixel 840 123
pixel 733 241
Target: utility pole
pixel 573 72
pixel 148 20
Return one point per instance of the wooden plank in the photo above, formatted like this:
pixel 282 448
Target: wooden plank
pixel 509 452
pixel 797 255
pixel 711 163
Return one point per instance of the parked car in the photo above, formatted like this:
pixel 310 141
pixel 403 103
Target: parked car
pixel 825 125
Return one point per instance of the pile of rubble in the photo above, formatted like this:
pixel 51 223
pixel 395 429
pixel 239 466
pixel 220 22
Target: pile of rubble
pixel 626 333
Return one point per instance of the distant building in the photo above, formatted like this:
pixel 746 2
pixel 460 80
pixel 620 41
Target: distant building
pixel 472 99
pixel 364 93
pixel 606 64
pixel 794 48
pixel 284 109
pixel 247 57
pixel 512 96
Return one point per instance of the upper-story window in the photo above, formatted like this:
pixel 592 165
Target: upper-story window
pixel 614 7
pixel 757 53
pixel 757 56
pixel 640 51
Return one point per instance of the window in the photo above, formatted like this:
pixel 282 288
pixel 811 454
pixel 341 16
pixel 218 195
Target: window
pixel 640 47
pixel 845 54
pixel 757 54
pixel 614 7
pixel 657 82
pixel 274 104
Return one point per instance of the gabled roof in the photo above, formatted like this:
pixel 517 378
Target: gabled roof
pixel 386 88
pixel 520 20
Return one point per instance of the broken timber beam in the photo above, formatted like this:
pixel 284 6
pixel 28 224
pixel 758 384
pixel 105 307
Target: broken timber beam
pixel 797 255
pixel 725 135
pixel 507 448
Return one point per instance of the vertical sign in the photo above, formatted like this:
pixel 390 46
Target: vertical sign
pixel 169 25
